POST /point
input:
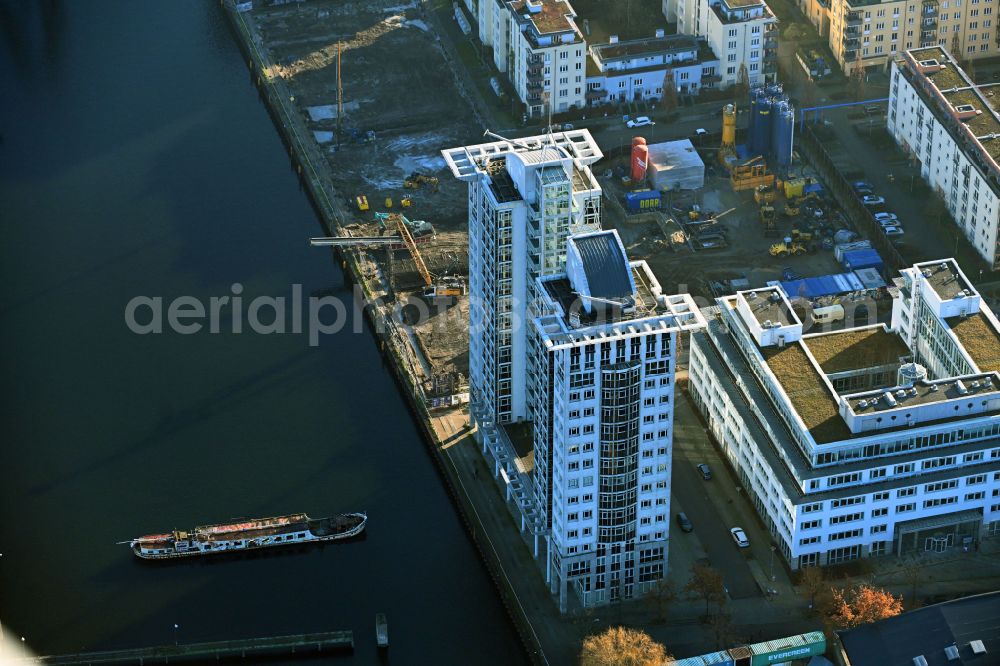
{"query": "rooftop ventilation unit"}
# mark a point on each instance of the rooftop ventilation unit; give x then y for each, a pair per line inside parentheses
(862, 404)
(901, 393)
(977, 647)
(966, 111)
(960, 387)
(926, 272)
(951, 652)
(943, 266)
(974, 385)
(934, 388)
(919, 660)
(774, 297)
(889, 399)
(913, 393)
(767, 323)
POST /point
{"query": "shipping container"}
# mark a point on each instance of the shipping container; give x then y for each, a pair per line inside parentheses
(713, 659)
(783, 650)
(841, 248)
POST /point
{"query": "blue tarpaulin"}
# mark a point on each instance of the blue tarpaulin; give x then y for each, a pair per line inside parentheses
(855, 260)
(824, 285)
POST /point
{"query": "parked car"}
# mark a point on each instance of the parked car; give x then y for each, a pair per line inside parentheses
(640, 121)
(700, 132)
(871, 109)
(706, 471)
(880, 217)
(684, 523)
(892, 231)
(861, 185)
(740, 537)
(884, 224)
(787, 274)
(872, 200)
(567, 127)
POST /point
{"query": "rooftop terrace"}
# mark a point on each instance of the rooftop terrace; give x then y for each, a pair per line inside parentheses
(946, 279)
(644, 47)
(855, 349)
(957, 89)
(814, 401)
(552, 16)
(769, 306)
(980, 338)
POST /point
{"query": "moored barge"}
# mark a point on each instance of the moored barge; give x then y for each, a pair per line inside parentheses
(246, 535)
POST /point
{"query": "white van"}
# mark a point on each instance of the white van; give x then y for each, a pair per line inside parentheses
(828, 313)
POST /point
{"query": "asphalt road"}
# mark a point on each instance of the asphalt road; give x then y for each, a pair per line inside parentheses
(709, 526)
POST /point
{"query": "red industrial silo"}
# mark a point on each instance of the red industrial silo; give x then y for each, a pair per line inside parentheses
(640, 153)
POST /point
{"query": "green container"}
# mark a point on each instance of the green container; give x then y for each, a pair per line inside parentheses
(782, 650)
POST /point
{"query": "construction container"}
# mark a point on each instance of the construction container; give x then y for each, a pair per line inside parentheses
(675, 165)
(870, 277)
(793, 188)
(784, 650)
(713, 659)
(823, 285)
(640, 158)
(842, 248)
(855, 260)
(640, 200)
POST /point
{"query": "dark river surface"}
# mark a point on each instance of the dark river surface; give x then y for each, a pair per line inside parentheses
(137, 160)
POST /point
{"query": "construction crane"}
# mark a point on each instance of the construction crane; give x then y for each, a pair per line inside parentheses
(444, 287)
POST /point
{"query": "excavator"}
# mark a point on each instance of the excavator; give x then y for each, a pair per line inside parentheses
(444, 287)
(416, 179)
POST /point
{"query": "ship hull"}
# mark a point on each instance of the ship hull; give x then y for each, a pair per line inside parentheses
(339, 528)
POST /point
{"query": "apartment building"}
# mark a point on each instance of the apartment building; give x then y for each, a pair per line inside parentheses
(538, 45)
(637, 69)
(951, 127)
(605, 345)
(866, 441)
(739, 32)
(525, 197)
(874, 33)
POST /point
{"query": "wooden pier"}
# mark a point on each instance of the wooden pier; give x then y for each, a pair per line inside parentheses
(300, 645)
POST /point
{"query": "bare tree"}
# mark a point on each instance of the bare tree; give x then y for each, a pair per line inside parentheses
(742, 88)
(913, 573)
(619, 646)
(813, 582)
(858, 77)
(706, 583)
(661, 597)
(668, 100)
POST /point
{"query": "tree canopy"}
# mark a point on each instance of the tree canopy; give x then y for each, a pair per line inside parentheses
(621, 646)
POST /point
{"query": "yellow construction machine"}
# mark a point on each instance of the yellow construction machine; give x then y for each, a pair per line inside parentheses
(765, 194)
(416, 179)
(786, 248)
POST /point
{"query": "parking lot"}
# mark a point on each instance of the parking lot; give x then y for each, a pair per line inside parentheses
(861, 144)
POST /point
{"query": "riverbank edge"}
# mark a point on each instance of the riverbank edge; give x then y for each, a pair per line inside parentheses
(303, 155)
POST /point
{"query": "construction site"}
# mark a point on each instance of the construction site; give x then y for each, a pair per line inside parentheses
(730, 208)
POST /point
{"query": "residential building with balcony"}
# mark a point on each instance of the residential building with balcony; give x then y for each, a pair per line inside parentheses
(605, 348)
(861, 442)
(739, 32)
(873, 33)
(637, 69)
(951, 127)
(539, 46)
(525, 197)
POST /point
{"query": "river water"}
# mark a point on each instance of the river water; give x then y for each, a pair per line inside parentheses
(137, 160)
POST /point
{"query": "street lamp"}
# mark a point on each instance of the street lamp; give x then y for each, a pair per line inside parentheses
(176, 627)
(772, 562)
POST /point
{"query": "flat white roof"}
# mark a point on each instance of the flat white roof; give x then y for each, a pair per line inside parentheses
(467, 161)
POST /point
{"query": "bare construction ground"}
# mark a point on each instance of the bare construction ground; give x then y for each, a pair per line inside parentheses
(398, 83)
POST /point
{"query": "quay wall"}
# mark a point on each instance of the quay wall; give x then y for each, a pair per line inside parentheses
(309, 164)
